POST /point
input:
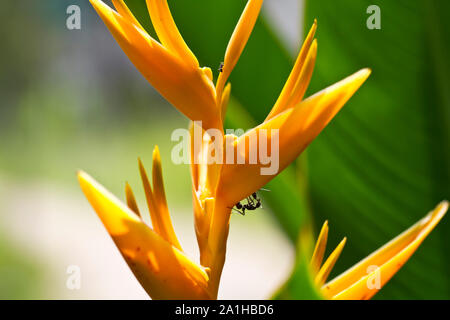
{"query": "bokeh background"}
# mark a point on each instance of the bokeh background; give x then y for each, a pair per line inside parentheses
(70, 99)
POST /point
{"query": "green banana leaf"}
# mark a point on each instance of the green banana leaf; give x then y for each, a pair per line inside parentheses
(384, 161)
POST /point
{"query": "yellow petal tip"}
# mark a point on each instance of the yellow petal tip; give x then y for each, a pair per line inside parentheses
(366, 72)
(156, 154)
(83, 177)
(141, 165)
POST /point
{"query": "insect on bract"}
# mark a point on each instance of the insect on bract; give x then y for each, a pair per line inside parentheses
(253, 203)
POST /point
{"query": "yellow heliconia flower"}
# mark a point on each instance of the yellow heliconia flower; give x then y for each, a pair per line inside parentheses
(171, 67)
(367, 277)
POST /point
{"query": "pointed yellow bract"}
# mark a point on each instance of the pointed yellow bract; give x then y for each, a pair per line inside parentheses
(366, 278)
(319, 250)
(295, 75)
(225, 100)
(168, 33)
(237, 42)
(125, 12)
(156, 201)
(298, 126)
(163, 271)
(305, 77)
(187, 87)
(325, 270)
(131, 200)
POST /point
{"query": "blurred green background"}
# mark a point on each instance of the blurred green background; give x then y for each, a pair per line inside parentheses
(70, 99)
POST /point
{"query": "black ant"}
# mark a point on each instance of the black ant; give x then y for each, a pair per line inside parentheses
(253, 203)
(221, 67)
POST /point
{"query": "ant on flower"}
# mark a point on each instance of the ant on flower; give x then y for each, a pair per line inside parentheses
(253, 203)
